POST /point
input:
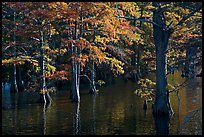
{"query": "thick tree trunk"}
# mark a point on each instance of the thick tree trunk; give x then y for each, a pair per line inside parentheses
(161, 37)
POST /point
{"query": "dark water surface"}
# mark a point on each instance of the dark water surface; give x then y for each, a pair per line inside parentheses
(114, 110)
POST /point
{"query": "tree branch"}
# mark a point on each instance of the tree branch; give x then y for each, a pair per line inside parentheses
(35, 38)
(134, 18)
(188, 16)
(86, 77)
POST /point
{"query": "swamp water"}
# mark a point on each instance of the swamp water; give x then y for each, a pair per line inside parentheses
(114, 110)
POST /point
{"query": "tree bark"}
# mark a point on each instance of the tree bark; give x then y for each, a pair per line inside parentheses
(76, 70)
(189, 68)
(138, 62)
(19, 78)
(45, 96)
(161, 37)
(134, 76)
(92, 84)
(14, 65)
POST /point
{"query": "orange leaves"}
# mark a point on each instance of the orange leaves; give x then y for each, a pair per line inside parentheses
(62, 73)
(83, 59)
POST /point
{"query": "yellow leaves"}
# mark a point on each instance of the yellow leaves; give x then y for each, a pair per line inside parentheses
(146, 90)
(116, 65)
(83, 59)
(46, 47)
(62, 51)
(20, 61)
(59, 5)
(98, 39)
(129, 7)
(6, 61)
(147, 83)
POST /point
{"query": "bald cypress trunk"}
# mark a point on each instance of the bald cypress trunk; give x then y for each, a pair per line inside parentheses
(45, 96)
(92, 84)
(161, 37)
(14, 86)
(75, 97)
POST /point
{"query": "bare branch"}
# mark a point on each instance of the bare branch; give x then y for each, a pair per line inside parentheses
(134, 18)
(86, 77)
(35, 38)
(189, 15)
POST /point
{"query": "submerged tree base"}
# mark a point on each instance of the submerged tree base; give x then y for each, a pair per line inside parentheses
(162, 124)
(45, 98)
(160, 107)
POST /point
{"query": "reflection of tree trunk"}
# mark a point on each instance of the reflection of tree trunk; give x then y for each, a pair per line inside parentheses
(76, 119)
(14, 100)
(94, 114)
(15, 80)
(6, 97)
(45, 107)
(162, 124)
(178, 97)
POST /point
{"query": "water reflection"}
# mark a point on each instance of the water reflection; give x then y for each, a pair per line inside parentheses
(94, 114)
(114, 110)
(46, 106)
(76, 119)
(162, 124)
(6, 96)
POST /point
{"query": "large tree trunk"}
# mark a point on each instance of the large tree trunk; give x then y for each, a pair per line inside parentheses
(161, 37)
